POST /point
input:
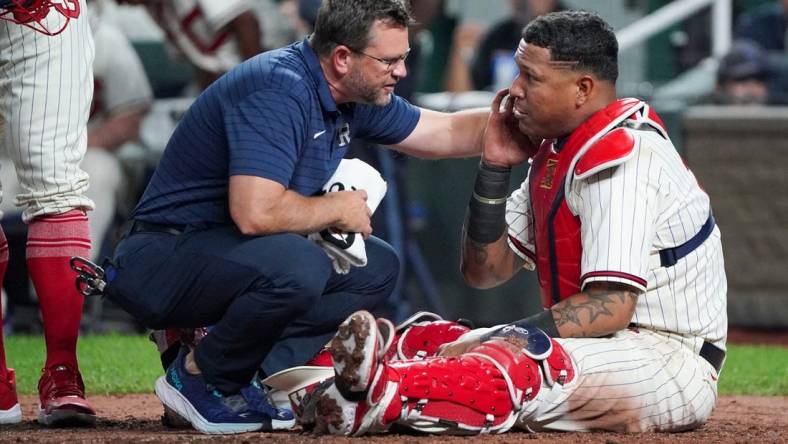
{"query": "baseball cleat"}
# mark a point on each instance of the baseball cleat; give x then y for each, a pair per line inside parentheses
(62, 395)
(10, 412)
(354, 350)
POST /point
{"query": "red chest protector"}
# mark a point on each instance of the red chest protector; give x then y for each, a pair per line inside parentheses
(598, 143)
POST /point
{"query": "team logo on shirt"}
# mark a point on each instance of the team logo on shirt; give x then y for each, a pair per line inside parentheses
(334, 236)
(344, 134)
(549, 174)
(69, 8)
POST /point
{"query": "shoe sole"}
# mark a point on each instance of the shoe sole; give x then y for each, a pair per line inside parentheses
(11, 416)
(65, 418)
(354, 351)
(173, 420)
(173, 399)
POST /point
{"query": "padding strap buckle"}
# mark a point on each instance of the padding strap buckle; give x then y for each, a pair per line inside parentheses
(90, 277)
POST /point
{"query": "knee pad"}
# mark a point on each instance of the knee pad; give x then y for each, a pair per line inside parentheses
(421, 335)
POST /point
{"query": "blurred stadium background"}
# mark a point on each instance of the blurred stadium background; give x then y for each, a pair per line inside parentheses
(673, 54)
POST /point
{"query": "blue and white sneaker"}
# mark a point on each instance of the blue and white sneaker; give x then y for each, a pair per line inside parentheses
(257, 396)
(208, 410)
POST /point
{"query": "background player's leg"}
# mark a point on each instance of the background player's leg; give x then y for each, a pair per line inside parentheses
(3, 268)
(51, 242)
(10, 412)
(50, 89)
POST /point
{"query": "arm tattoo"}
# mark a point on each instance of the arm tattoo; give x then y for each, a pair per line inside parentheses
(479, 251)
(479, 254)
(517, 262)
(599, 302)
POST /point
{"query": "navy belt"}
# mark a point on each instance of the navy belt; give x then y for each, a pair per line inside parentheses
(713, 355)
(669, 256)
(140, 226)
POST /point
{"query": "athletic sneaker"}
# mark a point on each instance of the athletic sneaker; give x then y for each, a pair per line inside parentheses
(207, 409)
(10, 413)
(62, 395)
(257, 397)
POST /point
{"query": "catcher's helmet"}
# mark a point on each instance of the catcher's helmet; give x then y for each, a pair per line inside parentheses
(31, 13)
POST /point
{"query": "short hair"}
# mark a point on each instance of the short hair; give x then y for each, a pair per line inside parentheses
(577, 36)
(348, 22)
(745, 61)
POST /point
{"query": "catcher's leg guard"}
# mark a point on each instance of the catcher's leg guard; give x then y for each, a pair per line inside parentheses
(484, 391)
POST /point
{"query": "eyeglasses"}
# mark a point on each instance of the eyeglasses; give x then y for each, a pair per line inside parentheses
(390, 63)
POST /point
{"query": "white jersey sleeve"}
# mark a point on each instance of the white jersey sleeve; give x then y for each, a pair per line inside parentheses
(617, 208)
(519, 221)
(219, 14)
(196, 29)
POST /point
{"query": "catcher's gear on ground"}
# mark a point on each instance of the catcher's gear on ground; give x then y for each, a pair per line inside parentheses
(484, 391)
(417, 337)
(31, 13)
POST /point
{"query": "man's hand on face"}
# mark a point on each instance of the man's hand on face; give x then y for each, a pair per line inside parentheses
(504, 144)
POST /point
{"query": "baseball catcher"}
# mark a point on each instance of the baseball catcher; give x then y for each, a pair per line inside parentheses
(628, 255)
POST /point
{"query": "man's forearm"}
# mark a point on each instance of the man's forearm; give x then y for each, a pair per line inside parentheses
(487, 260)
(445, 135)
(468, 130)
(292, 213)
(602, 309)
(300, 214)
(117, 130)
(488, 265)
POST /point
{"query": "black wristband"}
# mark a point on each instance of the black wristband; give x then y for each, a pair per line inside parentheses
(492, 182)
(543, 320)
(486, 219)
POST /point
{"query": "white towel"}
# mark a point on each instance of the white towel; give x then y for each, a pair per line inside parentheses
(346, 249)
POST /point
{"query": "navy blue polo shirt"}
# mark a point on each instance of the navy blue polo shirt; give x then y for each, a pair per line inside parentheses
(273, 117)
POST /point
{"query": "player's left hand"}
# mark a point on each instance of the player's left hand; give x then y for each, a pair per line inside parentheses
(465, 343)
(504, 144)
(457, 348)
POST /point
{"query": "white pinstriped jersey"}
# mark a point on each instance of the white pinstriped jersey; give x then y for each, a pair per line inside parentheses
(651, 378)
(195, 28)
(46, 85)
(628, 213)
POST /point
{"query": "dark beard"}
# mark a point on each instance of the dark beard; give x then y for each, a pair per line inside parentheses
(367, 93)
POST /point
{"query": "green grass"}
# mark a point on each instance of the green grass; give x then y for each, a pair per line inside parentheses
(109, 364)
(755, 370)
(130, 364)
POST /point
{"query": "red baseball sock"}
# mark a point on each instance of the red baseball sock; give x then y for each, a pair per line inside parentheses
(3, 267)
(51, 242)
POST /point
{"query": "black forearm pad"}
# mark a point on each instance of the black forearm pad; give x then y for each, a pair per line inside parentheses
(543, 320)
(492, 182)
(487, 208)
(486, 223)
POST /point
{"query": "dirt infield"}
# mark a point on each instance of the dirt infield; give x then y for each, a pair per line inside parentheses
(135, 418)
